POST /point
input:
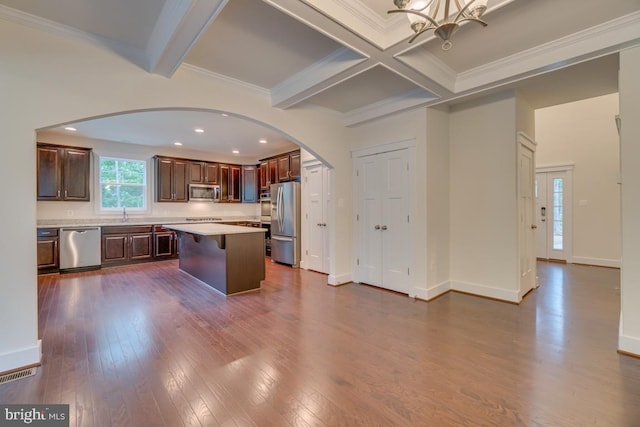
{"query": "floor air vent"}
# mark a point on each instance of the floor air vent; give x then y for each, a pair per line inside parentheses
(17, 375)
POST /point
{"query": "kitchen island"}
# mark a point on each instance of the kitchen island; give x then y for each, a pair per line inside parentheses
(229, 258)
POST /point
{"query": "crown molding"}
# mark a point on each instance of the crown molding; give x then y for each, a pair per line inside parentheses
(222, 78)
(396, 104)
(136, 55)
(316, 77)
(603, 39)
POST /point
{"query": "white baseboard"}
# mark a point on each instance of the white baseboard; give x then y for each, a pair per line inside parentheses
(614, 263)
(629, 344)
(339, 279)
(433, 292)
(20, 358)
(486, 291)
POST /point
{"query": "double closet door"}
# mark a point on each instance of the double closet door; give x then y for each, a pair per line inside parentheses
(382, 218)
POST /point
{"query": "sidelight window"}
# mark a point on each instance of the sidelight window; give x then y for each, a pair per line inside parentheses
(558, 214)
(123, 184)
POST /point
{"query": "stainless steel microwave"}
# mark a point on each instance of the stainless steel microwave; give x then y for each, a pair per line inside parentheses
(204, 193)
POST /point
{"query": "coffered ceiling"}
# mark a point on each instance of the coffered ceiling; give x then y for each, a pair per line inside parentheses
(351, 56)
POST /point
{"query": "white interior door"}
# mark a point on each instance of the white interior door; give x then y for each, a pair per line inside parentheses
(394, 227)
(317, 254)
(553, 215)
(370, 219)
(383, 218)
(527, 226)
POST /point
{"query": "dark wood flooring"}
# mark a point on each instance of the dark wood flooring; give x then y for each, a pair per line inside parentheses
(146, 345)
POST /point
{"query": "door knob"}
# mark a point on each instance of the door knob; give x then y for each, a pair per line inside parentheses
(384, 227)
(533, 226)
(377, 227)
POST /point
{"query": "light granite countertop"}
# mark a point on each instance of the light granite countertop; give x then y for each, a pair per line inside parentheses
(212, 229)
(99, 222)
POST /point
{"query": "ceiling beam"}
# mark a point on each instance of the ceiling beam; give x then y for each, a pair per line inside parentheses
(180, 24)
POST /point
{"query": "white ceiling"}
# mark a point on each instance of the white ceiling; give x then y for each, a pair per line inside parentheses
(349, 56)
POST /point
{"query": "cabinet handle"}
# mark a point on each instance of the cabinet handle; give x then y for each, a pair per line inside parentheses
(65, 194)
(58, 194)
(384, 227)
(377, 227)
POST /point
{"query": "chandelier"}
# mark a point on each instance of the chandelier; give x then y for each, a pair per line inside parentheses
(425, 15)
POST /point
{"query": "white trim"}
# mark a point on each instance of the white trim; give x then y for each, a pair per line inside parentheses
(391, 105)
(339, 279)
(137, 55)
(486, 291)
(563, 167)
(601, 262)
(20, 358)
(527, 141)
(222, 78)
(629, 344)
(600, 40)
(383, 148)
(433, 292)
(317, 77)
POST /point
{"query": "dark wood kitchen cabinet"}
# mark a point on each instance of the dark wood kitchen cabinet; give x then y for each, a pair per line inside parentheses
(203, 173)
(165, 243)
(235, 183)
(284, 168)
(268, 173)
(249, 184)
(171, 180)
(127, 244)
(294, 166)
(63, 173)
(48, 251)
(230, 183)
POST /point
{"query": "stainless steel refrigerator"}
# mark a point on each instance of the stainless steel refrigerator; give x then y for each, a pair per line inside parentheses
(285, 223)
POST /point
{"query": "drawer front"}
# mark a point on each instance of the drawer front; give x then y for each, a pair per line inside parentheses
(47, 232)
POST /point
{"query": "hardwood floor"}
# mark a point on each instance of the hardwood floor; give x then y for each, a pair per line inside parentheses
(146, 345)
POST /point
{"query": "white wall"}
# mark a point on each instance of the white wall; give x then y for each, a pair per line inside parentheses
(437, 204)
(51, 211)
(483, 207)
(629, 85)
(48, 79)
(584, 133)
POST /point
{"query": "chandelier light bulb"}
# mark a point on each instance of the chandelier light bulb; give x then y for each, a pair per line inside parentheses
(444, 17)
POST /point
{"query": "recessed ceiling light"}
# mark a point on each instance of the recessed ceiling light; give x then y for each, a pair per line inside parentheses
(177, 143)
(263, 141)
(235, 152)
(71, 129)
(198, 130)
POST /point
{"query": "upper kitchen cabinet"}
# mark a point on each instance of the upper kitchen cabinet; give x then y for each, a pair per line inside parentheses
(294, 166)
(63, 173)
(281, 168)
(204, 173)
(171, 180)
(249, 184)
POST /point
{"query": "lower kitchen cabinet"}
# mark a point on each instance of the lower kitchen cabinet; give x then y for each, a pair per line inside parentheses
(165, 243)
(48, 251)
(126, 244)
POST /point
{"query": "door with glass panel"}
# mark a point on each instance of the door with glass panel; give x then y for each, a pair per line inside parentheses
(553, 238)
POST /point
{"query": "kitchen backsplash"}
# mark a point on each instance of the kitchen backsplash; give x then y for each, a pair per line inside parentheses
(81, 210)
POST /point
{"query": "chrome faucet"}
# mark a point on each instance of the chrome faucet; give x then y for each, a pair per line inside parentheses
(125, 216)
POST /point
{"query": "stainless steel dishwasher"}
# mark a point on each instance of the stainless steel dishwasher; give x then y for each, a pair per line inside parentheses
(79, 248)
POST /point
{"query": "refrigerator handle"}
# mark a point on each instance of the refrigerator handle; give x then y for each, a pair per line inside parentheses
(280, 208)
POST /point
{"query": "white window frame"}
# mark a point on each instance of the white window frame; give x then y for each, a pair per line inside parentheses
(99, 210)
